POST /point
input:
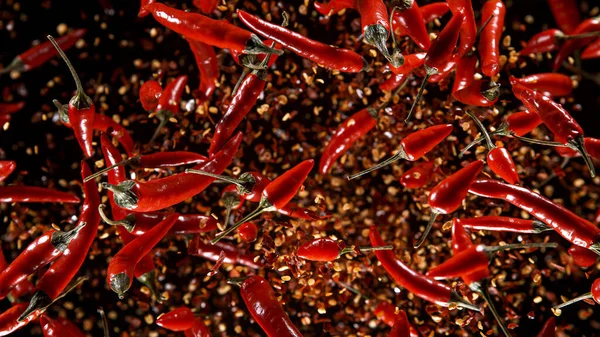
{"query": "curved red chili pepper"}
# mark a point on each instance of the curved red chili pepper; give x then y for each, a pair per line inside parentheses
(249, 185)
(376, 27)
(233, 255)
(248, 232)
(150, 93)
(6, 168)
(38, 254)
(22, 288)
(504, 224)
(411, 62)
(8, 319)
(264, 307)
(11, 108)
(465, 72)
(468, 28)
(489, 42)
(582, 257)
(587, 26)
(549, 328)
(409, 18)
(443, 73)
(401, 326)
(592, 51)
(206, 61)
(571, 227)
(218, 33)
(429, 12)
(566, 14)
(206, 6)
(334, 6)
(321, 53)
(43, 52)
(164, 192)
(555, 84)
(543, 42)
(105, 124)
(121, 267)
(461, 241)
(480, 92)
(418, 176)
(520, 123)
(418, 284)
(199, 329)
(171, 95)
(178, 319)
(64, 268)
(500, 162)
(35, 194)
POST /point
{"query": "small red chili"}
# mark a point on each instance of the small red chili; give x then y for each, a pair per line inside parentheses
(168, 103)
(552, 83)
(418, 176)
(150, 93)
(504, 224)
(544, 42)
(53, 328)
(233, 255)
(393, 82)
(566, 14)
(334, 6)
(248, 232)
(328, 250)
(179, 319)
(582, 257)
(489, 41)
(250, 185)
(206, 61)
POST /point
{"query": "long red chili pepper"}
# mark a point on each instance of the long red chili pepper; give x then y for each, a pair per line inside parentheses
(592, 146)
(326, 55)
(504, 224)
(334, 6)
(35, 194)
(250, 185)
(543, 42)
(81, 109)
(160, 193)
(276, 195)
(206, 61)
(218, 33)
(482, 92)
(489, 42)
(429, 12)
(64, 268)
(418, 284)
(591, 25)
(414, 146)
(22, 288)
(446, 70)
(6, 168)
(592, 51)
(411, 62)
(150, 93)
(582, 257)
(571, 227)
(552, 83)
(418, 176)
(465, 72)
(121, 268)
(468, 28)
(566, 14)
(327, 250)
(42, 53)
(199, 329)
(409, 18)
(179, 319)
(447, 196)
(232, 254)
(38, 254)
(264, 307)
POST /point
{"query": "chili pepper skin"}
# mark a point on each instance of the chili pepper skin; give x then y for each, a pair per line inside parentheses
(8, 319)
(206, 61)
(39, 253)
(52, 328)
(543, 42)
(393, 82)
(465, 262)
(386, 312)
(465, 72)
(120, 272)
(582, 257)
(140, 223)
(587, 26)
(248, 232)
(265, 308)
(108, 125)
(322, 250)
(418, 176)
(411, 62)
(206, 6)
(489, 42)
(500, 162)
(171, 95)
(218, 33)
(35, 194)
(549, 328)
(199, 329)
(179, 319)
(334, 6)
(22, 288)
(520, 123)
(401, 326)
(571, 227)
(150, 93)
(164, 192)
(233, 255)
(461, 241)
(331, 57)
(504, 224)
(429, 12)
(444, 72)
(566, 14)
(6, 168)
(43, 52)
(592, 146)
(592, 51)
(409, 17)
(64, 268)
(553, 83)
(11, 108)
(480, 92)
(468, 28)
(376, 28)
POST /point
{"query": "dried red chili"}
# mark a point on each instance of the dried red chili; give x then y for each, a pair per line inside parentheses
(468, 28)
(407, 16)
(582, 257)
(6, 168)
(248, 232)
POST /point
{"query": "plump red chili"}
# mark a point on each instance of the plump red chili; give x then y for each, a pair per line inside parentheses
(233, 255)
(566, 14)
(179, 319)
(465, 72)
(150, 93)
(543, 42)
(199, 329)
(248, 232)
(489, 41)
(53, 328)
(582, 257)
(429, 12)
(504, 224)
(418, 176)
(552, 83)
(570, 46)
(206, 61)
(323, 249)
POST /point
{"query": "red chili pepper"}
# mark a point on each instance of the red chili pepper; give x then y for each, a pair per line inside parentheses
(411, 62)
(592, 146)
(34, 194)
(439, 53)
(482, 92)
(429, 12)
(250, 185)
(22, 288)
(11, 108)
(218, 33)
(489, 42)
(233, 255)
(376, 27)
(6, 168)
(447, 196)
(64, 268)
(334, 6)
(468, 28)
(276, 195)
(401, 326)
(8, 319)
(168, 103)
(386, 312)
(418, 176)
(414, 146)
(206, 61)
(571, 227)
(81, 109)
(179, 319)
(504, 224)
(53, 328)
(566, 14)
(582, 257)
(121, 268)
(265, 308)
(591, 25)
(42, 53)
(206, 6)
(248, 232)
(443, 73)
(321, 53)
(549, 328)
(418, 284)
(150, 93)
(328, 250)
(199, 329)
(592, 51)
(544, 42)
(552, 83)
(465, 72)
(38, 254)
(164, 192)
(409, 17)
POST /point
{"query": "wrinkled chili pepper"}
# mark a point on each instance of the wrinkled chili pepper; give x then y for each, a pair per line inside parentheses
(582, 257)
(42, 53)
(179, 319)
(414, 146)
(327, 250)
(504, 224)
(150, 93)
(447, 196)
(35, 194)
(552, 83)
(206, 61)
(6, 168)
(468, 27)
(482, 92)
(248, 232)
(591, 25)
(233, 255)
(418, 176)
(566, 14)
(409, 17)
(491, 34)
(164, 192)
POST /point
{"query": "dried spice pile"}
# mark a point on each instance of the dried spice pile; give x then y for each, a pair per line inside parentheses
(330, 250)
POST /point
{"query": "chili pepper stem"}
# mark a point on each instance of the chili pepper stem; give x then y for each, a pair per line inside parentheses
(595, 248)
(399, 155)
(43, 308)
(578, 145)
(495, 249)
(376, 35)
(429, 71)
(227, 214)
(537, 141)
(573, 300)
(482, 129)
(164, 117)
(482, 292)
(578, 36)
(37, 301)
(263, 206)
(63, 113)
(61, 240)
(236, 281)
(432, 218)
(104, 322)
(539, 227)
(122, 194)
(125, 222)
(354, 290)
(128, 161)
(16, 64)
(245, 73)
(460, 302)
(149, 280)
(366, 249)
(229, 180)
(501, 131)
(255, 46)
